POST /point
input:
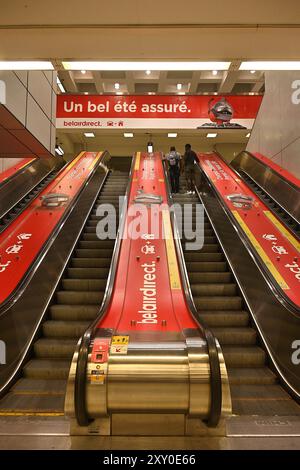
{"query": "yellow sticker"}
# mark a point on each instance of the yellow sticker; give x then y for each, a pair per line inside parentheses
(137, 161)
(277, 276)
(120, 340)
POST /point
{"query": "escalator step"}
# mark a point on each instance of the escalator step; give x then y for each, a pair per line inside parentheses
(241, 356)
(207, 248)
(49, 387)
(206, 267)
(199, 256)
(222, 318)
(74, 312)
(210, 277)
(84, 284)
(47, 369)
(232, 336)
(91, 273)
(64, 329)
(55, 348)
(32, 403)
(214, 289)
(263, 400)
(218, 303)
(92, 245)
(78, 298)
(90, 263)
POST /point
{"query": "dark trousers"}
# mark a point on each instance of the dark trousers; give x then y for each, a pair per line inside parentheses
(174, 177)
(190, 177)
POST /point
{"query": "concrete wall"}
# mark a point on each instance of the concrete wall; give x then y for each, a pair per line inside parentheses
(276, 132)
(31, 98)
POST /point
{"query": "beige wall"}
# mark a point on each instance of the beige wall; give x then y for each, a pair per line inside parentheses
(31, 98)
(276, 133)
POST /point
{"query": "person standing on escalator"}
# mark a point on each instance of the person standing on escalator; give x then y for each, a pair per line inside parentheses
(189, 160)
(174, 164)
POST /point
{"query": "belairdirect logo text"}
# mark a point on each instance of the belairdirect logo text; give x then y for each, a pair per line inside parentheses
(2, 92)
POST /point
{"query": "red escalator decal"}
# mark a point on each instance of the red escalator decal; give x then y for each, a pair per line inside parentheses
(21, 242)
(276, 245)
(147, 294)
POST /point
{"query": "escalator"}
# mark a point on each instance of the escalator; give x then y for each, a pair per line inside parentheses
(15, 210)
(255, 388)
(40, 389)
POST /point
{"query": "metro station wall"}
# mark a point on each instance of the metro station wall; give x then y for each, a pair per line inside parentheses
(276, 132)
(31, 98)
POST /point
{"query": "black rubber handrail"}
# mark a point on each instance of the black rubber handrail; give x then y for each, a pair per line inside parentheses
(276, 289)
(17, 292)
(18, 172)
(215, 370)
(83, 350)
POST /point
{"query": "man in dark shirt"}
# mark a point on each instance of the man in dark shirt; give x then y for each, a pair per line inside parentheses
(190, 159)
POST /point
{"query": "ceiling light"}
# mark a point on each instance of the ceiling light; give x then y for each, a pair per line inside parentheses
(26, 65)
(89, 134)
(151, 92)
(179, 86)
(117, 86)
(128, 134)
(109, 65)
(271, 65)
(86, 93)
(119, 93)
(252, 71)
(150, 147)
(215, 72)
(181, 93)
(59, 150)
(148, 72)
(172, 134)
(211, 135)
(248, 135)
(83, 72)
(60, 85)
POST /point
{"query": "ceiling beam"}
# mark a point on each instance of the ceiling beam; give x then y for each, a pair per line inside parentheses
(230, 77)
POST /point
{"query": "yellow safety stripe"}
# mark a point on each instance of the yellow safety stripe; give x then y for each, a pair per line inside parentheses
(277, 276)
(99, 154)
(29, 413)
(137, 161)
(171, 254)
(283, 230)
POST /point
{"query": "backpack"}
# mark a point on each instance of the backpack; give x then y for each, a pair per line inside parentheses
(173, 160)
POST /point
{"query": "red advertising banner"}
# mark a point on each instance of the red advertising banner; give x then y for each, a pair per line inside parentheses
(156, 112)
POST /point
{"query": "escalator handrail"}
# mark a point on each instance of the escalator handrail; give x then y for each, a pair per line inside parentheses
(9, 382)
(291, 183)
(276, 289)
(215, 370)
(241, 172)
(18, 172)
(18, 291)
(84, 342)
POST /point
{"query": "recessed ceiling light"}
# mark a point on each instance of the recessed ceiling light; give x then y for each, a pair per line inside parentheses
(83, 72)
(211, 135)
(117, 86)
(215, 72)
(271, 65)
(179, 86)
(119, 93)
(248, 135)
(86, 93)
(151, 92)
(128, 134)
(172, 134)
(59, 150)
(148, 72)
(109, 65)
(89, 134)
(25, 65)
(252, 71)
(215, 92)
(181, 93)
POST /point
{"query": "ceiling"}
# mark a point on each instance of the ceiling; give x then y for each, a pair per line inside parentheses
(163, 82)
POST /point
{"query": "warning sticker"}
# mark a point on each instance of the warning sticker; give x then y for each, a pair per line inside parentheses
(97, 376)
(119, 340)
(119, 349)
